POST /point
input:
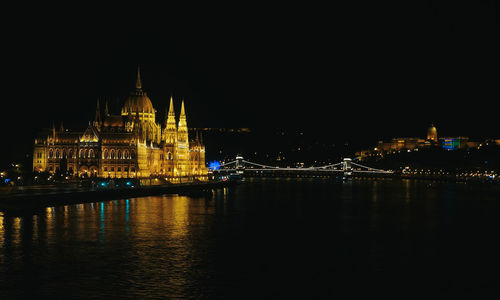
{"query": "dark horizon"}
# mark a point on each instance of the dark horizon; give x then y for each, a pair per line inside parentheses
(354, 74)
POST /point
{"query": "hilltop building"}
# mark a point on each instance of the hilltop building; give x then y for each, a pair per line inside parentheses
(415, 144)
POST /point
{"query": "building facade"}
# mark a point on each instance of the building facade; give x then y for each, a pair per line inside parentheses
(129, 145)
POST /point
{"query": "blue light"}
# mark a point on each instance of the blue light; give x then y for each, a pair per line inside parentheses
(7, 180)
(451, 144)
(128, 183)
(103, 183)
(214, 165)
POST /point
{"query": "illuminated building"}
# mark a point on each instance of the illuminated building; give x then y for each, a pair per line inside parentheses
(455, 143)
(129, 145)
(412, 143)
(432, 134)
(401, 144)
(398, 144)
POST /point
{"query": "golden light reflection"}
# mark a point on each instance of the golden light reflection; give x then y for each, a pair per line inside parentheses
(407, 191)
(16, 231)
(35, 228)
(50, 219)
(179, 215)
(2, 229)
(133, 221)
(170, 215)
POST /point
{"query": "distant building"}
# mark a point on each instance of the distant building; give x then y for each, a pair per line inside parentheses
(415, 143)
(455, 143)
(398, 144)
(129, 145)
(432, 133)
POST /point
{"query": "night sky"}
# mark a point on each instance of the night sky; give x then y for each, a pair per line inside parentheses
(352, 72)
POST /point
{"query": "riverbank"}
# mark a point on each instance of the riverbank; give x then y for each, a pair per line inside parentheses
(61, 196)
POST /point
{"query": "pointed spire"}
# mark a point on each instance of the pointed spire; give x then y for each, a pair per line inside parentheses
(106, 109)
(138, 84)
(171, 108)
(53, 129)
(183, 113)
(97, 118)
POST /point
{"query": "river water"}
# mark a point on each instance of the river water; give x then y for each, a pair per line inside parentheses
(266, 238)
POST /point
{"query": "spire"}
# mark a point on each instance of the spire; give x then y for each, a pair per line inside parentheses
(183, 113)
(97, 119)
(170, 113)
(138, 84)
(53, 129)
(182, 117)
(106, 110)
(183, 124)
(171, 108)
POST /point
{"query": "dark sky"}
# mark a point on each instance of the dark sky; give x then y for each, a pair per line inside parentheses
(357, 71)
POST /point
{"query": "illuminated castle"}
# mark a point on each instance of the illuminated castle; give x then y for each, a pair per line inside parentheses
(130, 145)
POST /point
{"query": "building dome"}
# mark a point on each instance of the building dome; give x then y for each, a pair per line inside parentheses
(432, 133)
(138, 101)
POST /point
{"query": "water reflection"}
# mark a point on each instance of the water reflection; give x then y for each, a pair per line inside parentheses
(151, 233)
(236, 241)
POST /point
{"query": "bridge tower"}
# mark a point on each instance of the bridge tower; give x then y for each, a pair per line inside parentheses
(347, 167)
(239, 162)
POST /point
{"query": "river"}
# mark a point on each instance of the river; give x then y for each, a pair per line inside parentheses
(265, 238)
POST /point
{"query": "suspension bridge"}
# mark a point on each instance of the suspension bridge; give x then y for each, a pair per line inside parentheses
(346, 167)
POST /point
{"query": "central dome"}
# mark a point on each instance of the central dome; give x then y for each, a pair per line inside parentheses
(138, 101)
(432, 133)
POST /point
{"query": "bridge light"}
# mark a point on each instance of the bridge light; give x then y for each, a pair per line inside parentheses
(214, 165)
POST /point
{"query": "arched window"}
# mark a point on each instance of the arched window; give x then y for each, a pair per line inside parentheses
(86, 153)
(112, 154)
(119, 154)
(105, 155)
(64, 153)
(58, 155)
(81, 153)
(132, 153)
(51, 153)
(91, 153)
(126, 154)
(70, 155)
(169, 156)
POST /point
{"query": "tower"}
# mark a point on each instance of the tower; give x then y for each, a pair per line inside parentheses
(183, 164)
(170, 126)
(170, 141)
